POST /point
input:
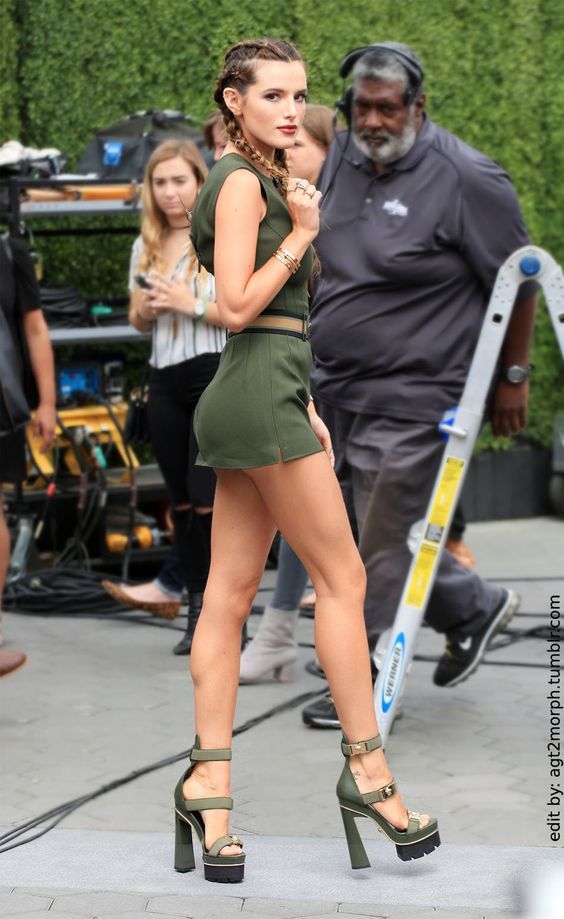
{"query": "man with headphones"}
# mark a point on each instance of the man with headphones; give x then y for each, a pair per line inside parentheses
(414, 228)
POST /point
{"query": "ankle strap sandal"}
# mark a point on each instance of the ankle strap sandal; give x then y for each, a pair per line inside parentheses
(224, 869)
(362, 746)
(198, 755)
(413, 842)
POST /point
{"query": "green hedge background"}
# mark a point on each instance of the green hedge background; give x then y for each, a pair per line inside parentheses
(70, 67)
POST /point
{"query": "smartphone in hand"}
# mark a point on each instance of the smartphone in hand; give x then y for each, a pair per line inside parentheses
(143, 281)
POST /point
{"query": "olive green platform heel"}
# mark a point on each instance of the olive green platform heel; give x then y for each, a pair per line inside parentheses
(224, 869)
(413, 842)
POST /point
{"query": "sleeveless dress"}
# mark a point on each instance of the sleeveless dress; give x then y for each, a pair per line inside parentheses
(254, 412)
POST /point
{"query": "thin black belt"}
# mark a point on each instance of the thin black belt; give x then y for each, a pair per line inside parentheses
(277, 325)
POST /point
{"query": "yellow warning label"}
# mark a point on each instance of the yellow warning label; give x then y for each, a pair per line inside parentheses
(422, 574)
(446, 492)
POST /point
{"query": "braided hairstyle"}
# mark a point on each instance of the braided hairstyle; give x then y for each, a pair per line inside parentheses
(239, 73)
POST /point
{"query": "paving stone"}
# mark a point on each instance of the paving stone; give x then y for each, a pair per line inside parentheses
(48, 891)
(420, 912)
(349, 915)
(292, 909)
(195, 907)
(143, 915)
(99, 903)
(34, 915)
(372, 915)
(23, 903)
(364, 909)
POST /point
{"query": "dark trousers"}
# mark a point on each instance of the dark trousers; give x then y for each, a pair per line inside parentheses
(173, 396)
(387, 469)
(170, 574)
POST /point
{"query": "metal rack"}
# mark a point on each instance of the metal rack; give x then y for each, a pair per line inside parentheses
(149, 479)
(20, 208)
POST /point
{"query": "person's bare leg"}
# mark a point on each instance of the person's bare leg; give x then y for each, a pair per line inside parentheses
(305, 501)
(242, 533)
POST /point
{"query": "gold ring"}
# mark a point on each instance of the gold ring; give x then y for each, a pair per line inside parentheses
(301, 184)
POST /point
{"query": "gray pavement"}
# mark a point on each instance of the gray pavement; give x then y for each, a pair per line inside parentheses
(100, 699)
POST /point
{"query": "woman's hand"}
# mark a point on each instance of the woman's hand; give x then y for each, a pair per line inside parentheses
(303, 200)
(143, 308)
(321, 431)
(174, 295)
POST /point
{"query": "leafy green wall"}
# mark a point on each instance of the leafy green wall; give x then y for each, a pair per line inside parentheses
(9, 94)
(493, 77)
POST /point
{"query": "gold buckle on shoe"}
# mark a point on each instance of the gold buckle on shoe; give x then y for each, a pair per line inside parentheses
(360, 747)
(354, 749)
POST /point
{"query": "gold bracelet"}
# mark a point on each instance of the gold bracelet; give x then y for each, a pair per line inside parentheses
(287, 264)
(287, 259)
(289, 255)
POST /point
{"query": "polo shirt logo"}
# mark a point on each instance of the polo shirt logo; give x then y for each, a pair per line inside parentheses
(396, 208)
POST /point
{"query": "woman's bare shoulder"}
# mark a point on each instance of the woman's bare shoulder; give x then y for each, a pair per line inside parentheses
(241, 190)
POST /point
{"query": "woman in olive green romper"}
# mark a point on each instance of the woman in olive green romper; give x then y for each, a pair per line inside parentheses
(255, 411)
(253, 229)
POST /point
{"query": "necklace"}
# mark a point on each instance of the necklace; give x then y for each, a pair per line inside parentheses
(185, 227)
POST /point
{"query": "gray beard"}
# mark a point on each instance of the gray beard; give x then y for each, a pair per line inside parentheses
(390, 147)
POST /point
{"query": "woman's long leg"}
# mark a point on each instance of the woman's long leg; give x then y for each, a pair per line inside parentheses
(304, 499)
(242, 533)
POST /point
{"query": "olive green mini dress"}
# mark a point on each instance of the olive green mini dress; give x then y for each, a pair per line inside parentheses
(254, 412)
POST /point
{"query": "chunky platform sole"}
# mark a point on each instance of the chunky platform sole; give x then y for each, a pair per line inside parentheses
(357, 852)
(222, 869)
(419, 849)
(224, 874)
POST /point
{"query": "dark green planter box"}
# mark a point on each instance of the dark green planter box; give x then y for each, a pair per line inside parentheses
(506, 484)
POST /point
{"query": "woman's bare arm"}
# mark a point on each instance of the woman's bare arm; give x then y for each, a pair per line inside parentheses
(242, 293)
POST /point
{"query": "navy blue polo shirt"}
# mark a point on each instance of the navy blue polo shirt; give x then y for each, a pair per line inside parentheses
(408, 261)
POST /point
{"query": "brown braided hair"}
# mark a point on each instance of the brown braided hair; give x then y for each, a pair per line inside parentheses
(239, 73)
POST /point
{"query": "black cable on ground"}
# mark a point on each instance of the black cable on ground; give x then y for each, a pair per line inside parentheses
(61, 591)
(57, 814)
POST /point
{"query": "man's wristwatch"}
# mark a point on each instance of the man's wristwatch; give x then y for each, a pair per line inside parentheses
(516, 373)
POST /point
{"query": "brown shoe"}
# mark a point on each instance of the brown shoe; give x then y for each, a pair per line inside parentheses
(10, 661)
(167, 609)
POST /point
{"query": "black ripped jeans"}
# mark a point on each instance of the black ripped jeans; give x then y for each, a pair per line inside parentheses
(173, 395)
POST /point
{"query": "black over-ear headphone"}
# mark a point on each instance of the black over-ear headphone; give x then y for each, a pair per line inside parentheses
(408, 61)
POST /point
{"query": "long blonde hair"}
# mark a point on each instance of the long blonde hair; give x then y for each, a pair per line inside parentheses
(154, 222)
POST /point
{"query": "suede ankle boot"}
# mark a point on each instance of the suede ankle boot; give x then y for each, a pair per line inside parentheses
(274, 647)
